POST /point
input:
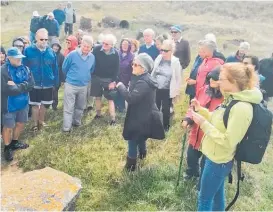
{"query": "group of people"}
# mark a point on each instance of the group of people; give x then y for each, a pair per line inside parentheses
(143, 81)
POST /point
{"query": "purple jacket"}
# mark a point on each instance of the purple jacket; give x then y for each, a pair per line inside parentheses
(125, 67)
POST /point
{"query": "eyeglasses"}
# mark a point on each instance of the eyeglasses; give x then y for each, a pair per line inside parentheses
(19, 46)
(135, 65)
(174, 32)
(106, 44)
(246, 63)
(43, 39)
(164, 50)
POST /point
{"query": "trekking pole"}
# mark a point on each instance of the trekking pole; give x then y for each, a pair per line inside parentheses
(184, 138)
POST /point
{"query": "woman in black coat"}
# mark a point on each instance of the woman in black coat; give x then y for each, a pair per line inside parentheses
(143, 119)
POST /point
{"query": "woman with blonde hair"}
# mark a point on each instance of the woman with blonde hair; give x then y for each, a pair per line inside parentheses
(237, 82)
(134, 46)
(167, 73)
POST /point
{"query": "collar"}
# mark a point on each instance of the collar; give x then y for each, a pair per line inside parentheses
(148, 46)
(81, 54)
(112, 51)
(179, 40)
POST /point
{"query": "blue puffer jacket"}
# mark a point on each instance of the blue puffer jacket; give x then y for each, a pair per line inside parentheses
(18, 75)
(43, 66)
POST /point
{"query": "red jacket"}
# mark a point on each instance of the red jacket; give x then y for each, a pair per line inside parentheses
(74, 44)
(196, 134)
(207, 66)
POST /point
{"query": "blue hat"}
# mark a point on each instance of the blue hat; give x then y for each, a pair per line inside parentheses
(176, 28)
(14, 52)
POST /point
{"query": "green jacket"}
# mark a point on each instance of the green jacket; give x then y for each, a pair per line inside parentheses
(219, 144)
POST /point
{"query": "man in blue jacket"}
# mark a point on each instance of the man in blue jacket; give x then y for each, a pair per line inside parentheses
(59, 14)
(16, 82)
(52, 26)
(42, 62)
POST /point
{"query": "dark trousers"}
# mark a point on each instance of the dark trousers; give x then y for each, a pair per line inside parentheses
(55, 98)
(163, 103)
(193, 156)
(68, 29)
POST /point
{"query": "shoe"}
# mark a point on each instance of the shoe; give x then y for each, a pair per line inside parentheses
(142, 155)
(35, 129)
(130, 164)
(18, 145)
(42, 125)
(66, 131)
(113, 123)
(98, 117)
(187, 177)
(76, 125)
(8, 153)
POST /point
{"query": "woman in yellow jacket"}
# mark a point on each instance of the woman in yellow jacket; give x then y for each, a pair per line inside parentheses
(237, 82)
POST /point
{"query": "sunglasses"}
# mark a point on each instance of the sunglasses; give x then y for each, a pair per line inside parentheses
(18, 46)
(135, 65)
(246, 63)
(43, 39)
(164, 50)
(174, 32)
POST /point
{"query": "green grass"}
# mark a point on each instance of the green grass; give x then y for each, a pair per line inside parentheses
(96, 152)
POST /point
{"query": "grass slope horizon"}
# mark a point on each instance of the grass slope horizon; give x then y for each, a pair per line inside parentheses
(96, 152)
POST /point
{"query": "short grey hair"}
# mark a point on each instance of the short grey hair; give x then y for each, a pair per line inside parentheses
(170, 44)
(42, 30)
(149, 31)
(88, 39)
(209, 44)
(110, 37)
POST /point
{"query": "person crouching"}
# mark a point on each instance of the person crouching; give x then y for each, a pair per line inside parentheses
(143, 119)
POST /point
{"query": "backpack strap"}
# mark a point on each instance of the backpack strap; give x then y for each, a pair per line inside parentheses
(227, 110)
(240, 177)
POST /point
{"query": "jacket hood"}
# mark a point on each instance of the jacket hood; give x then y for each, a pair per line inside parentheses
(254, 96)
(152, 82)
(74, 42)
(56, 41)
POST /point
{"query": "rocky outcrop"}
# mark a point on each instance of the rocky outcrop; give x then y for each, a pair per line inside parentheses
(40, 190)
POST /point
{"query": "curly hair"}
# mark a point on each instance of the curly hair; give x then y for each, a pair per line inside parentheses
(243, 75)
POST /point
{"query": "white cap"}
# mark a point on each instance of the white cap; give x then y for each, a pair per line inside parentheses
(35, 14)
(50, 14)
(211, 37)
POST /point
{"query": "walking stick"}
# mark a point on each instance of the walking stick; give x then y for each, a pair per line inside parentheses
(184, 138)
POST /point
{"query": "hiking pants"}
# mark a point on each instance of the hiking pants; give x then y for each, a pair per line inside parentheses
(193, 156)
(134, 145)
(68, 29)
(212, 186)
(74, 104)
(163, 99)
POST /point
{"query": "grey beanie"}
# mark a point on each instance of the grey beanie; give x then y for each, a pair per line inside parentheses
(145, 61)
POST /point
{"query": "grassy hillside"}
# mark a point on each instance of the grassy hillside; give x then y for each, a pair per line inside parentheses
(96, 152)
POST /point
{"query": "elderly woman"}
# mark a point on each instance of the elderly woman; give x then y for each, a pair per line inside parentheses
(237, 82)
(149, 46)
(167, 73)
(135, 46)
(143, 120)
(125, 70)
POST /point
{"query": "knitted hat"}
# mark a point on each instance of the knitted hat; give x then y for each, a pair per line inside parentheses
(145, 61)
(176, 28)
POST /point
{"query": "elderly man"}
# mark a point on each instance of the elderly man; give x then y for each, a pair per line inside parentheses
(239, 55)
(69, 19)
(149, 47)
(105, 75)
(78, 67)
(42, 62)
(52, 26)
(59, 14)
(16, 81)
(182, 48)
(35, 24)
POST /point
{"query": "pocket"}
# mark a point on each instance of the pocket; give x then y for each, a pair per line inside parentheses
(220, 170)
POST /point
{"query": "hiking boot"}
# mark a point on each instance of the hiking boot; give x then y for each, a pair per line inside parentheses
(97, 117)
(113, 123)
(130, 164)
(18, 145)
(142, 155)
(8, 153)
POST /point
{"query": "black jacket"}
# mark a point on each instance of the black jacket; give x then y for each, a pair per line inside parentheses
(60, 59)
(12, 90)
(143, 119)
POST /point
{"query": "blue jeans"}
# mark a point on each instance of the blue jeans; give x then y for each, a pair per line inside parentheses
(134, 145)
(212, 189)
(120, 102)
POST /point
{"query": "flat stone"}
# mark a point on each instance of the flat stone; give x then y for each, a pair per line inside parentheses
(40, 190)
